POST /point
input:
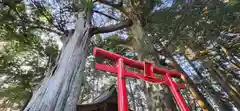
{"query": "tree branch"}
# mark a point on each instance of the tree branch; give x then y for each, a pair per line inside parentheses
(47, 29)
(109, 16)
(39, 8)
(118, 6)
(111, 28)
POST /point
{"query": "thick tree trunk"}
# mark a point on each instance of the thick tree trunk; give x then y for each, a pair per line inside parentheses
(60, 91)
(138, 44)
(138, 33)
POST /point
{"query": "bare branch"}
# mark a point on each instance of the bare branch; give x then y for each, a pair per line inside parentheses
(111, 28)
(109, 16)
(47, 29)
(118, 6)
(50, 20)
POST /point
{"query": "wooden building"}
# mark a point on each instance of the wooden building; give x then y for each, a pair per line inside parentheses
(105, 102)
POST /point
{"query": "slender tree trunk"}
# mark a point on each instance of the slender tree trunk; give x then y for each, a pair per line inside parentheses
(235, 75)
(193, 88)
(60, 91)
(235, 88)
(216, 99)
(216, 75)
(222, 106)
(227, 79)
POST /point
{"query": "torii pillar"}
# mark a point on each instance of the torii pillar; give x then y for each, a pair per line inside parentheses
(148, 75)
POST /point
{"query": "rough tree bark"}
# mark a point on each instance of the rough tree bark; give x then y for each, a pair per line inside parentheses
(135, 13)
(139, 34)
(59, 91)
(136, 10)
(132, 95)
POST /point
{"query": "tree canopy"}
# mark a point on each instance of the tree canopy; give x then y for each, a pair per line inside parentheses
(199, 38)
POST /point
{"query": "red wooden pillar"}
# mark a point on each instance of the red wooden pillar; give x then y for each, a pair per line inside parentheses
(177, 95)
(148, 75)
(122, 90)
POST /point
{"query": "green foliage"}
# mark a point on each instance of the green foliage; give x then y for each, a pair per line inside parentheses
(24, 55)
(89, 5)
(201, 26)
(20, 7)
(203, 20)
(111, 42)
(22, 69)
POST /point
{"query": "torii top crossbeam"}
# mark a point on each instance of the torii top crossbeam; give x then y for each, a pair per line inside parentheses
(148, 75)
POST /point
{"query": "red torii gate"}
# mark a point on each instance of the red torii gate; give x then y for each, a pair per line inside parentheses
(148, 75)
